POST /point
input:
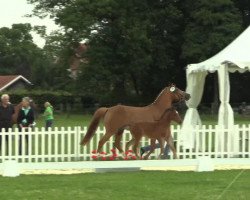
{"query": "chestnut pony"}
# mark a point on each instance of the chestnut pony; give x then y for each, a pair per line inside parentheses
(158, 130)
(117, 117)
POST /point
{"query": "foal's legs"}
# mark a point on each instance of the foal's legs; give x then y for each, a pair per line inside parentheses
(152, 148)
(170, 142)
(161, 141)
(136, 144)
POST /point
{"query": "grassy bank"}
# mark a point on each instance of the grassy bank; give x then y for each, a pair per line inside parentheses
(129, 186)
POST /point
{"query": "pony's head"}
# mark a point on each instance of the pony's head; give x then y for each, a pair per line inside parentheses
(171, 94)
(177, 94)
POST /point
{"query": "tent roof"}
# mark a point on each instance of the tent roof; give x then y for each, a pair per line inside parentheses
(236, 55)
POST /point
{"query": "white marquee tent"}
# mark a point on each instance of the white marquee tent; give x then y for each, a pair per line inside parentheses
(234, 57)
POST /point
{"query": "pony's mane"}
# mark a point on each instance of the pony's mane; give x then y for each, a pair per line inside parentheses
(159, 95)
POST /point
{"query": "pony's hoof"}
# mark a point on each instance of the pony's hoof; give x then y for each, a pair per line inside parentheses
(175, 157)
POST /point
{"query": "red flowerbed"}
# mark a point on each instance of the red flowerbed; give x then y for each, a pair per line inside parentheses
(103, 156)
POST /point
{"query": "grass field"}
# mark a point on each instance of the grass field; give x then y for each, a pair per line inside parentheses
(65, 120)
(83, 120)
(145, 185)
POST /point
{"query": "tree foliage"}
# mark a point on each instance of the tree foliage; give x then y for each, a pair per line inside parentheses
(19, 54)
(211, 25)
(134, 47)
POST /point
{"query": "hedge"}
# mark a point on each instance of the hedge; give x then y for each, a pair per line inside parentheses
(41, 96)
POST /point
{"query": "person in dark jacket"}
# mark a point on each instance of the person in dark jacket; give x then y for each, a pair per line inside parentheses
(6, 112)
(25, 120)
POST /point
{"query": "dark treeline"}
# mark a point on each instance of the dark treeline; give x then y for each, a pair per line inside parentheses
(135, 48)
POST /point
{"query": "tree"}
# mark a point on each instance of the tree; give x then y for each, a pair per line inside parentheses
(12, 42)
(244, 8)
(19, 55)
(134, 45)
(137, 47)
(210, 26)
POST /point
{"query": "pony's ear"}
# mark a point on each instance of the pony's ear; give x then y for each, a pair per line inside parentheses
(170, 84)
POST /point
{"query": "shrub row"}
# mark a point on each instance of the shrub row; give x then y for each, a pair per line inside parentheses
(41, 96)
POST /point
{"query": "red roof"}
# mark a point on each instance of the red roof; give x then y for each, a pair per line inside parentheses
(6, 81)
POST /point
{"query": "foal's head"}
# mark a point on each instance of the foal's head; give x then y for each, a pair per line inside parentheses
(174, 116)
(169, 115)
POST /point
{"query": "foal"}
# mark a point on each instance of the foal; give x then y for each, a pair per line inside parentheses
(158, 130)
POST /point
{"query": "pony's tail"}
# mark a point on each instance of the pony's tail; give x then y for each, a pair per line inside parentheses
(99, 114)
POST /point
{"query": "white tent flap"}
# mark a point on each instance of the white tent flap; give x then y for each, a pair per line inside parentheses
(195, 86)
(226, 117)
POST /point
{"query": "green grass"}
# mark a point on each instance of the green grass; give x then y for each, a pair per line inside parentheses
(212, 119)
(128, 186)
(64, 120)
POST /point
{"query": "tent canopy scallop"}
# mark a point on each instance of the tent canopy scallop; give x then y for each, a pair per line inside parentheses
(236, 55)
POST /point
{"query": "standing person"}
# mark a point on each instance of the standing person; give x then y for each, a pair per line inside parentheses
(48, 114)
(25, 119)
(6, 112)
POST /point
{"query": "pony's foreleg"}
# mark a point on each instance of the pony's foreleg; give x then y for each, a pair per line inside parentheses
(135, 147)
(170, 143)
(161, 141)
(117, 142)
(102, 141)
(152, 148)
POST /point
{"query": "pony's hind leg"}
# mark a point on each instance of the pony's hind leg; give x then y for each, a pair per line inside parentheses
(135, 147)
(102, 141)
(117, 143)
(161, 141)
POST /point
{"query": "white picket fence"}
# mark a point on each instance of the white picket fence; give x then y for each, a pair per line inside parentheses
(60, 145)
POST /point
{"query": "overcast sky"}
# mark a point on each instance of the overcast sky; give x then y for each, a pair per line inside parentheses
(13, 11)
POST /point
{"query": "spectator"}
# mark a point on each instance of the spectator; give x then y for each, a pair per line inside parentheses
(48, 114)
(25, 119)
(6, 112)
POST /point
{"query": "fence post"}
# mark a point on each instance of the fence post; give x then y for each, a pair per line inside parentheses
(77, 141)
(3, 150)
(236, 139)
